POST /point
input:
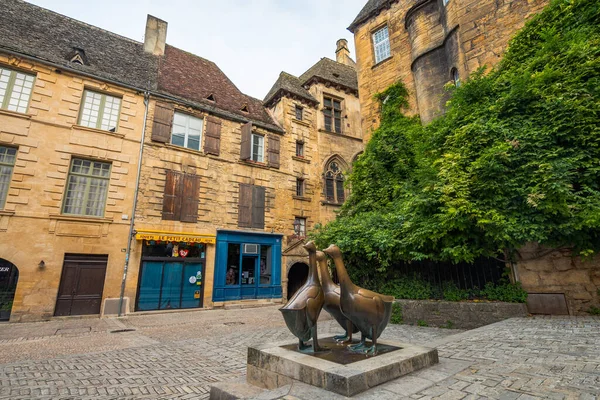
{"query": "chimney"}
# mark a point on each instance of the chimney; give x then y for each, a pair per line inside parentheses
(156, 36)
(342, 53)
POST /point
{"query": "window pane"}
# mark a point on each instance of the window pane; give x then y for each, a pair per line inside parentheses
(327, 123)
(4, 78)
(7, 155)
(299, 149)
(257, 148)
(110, 117)
(87, 186)
(5, 174)
(329, 190)
(340, 191)
(299, 187)
(381, 44)
(187, 131)
(327, 102)
(265, 265)
(248, 270)
(338, 125)
(233, 264)
(299, 113)
(17, 86)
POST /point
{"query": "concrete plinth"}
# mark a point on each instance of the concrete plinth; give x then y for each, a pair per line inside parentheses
(275, 365)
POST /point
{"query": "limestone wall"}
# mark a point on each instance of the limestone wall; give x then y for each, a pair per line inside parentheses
(32, 226)
(427, 40)
(542, 271)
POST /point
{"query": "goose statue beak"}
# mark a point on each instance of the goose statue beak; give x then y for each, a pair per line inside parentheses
(321, 256)
(332, 250)
(310, 246)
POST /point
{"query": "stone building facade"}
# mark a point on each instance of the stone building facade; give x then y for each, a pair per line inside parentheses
(136, 175)
(427, 44)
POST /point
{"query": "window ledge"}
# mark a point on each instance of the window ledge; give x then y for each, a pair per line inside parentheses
(15, 114)
(301, 159)
(185, 149)
(7, 213)
(256, 164)
(79, 218)
(329, 203)
(301, 198)
(382, 62)
(340, 135)
(300, 122)
(96, 130)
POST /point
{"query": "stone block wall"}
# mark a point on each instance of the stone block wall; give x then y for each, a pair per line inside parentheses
(544, 271)
(32, 226)
(424, 50)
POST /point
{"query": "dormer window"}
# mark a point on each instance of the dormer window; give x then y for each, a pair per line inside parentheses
(78, 57)
(211, 97)
(245, 109)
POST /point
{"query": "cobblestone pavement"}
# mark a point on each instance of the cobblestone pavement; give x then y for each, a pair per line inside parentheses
(179, 355)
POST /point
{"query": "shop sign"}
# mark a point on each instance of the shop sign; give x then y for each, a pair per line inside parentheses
(174, 237)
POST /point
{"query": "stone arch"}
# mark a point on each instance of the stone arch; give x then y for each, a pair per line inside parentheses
(9, 277)
(297, 275)
(356, 157)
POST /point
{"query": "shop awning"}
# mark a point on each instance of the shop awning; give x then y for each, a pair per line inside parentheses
(164, 236)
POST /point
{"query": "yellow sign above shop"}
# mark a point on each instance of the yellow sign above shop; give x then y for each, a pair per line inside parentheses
(175, 237)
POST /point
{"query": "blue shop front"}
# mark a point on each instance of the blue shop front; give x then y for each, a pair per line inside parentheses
(247, 266)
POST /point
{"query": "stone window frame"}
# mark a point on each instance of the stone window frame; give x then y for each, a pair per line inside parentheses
(300, 187)
(332, 109)
(98, 205)
(300, 148)
(10, 80)
(377, 45)
(333, 181)
(455, 76)
(257, 149)
(105, 106)
(300, 227)
(299, 113)
(8, 158)
(186, 133)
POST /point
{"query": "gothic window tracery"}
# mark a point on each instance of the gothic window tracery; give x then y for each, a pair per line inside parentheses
(334, 183)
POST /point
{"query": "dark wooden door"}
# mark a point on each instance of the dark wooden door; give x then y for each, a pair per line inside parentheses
(81, 285)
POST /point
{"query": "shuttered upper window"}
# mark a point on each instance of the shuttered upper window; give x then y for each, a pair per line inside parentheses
(15, 90)
(8, 156)
(100, 111)
(253, 147)
(87, 186)
(187, 131)
(381, 44)
(181, 197)
(251, 212)
(258, 148)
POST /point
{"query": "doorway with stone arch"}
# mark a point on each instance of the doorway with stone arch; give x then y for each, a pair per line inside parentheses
(297, 275)
(9, 276)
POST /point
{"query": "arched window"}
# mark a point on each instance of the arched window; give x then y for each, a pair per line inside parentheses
(334, 182)
(455, 77)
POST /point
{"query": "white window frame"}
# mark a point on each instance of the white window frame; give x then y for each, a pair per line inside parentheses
(15, 90)
(8, 157)
(300, 223)
(186, 130)
(381, 44)
(87, 188)
(259, 145)
(100, 111)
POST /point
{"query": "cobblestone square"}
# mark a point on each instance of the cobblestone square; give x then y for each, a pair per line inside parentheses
(179, 355)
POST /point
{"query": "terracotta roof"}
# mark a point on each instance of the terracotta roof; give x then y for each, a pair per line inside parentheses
(187, 76)
(48, 36)
(290, 85)
(372, 8)
(338, 74)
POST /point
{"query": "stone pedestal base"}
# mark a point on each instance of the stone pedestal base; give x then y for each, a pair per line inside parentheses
(274, 365)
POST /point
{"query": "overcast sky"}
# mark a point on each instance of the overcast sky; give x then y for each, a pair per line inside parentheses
(252, 41)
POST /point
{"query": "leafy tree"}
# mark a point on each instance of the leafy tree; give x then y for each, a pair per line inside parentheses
(515, 159)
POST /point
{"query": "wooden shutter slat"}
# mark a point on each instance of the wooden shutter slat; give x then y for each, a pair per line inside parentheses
(246, 149)
(274, 151)
(212, 143)
(172, 196)
(245, 206)
(258, 207)
(163, 122)
(190, 198)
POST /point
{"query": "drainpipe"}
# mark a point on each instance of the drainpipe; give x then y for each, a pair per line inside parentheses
(135, 197)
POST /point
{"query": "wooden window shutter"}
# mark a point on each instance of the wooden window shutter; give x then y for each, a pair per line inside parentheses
(246, 150)
(274, 150)
(258, 207)
(190, 198)
(245, 206)
(172, 196)
(212, 143)
(163, 122)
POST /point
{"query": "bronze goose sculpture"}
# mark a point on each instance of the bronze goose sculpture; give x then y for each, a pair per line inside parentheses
(368, 310)
(302, 311)
(332, 300)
